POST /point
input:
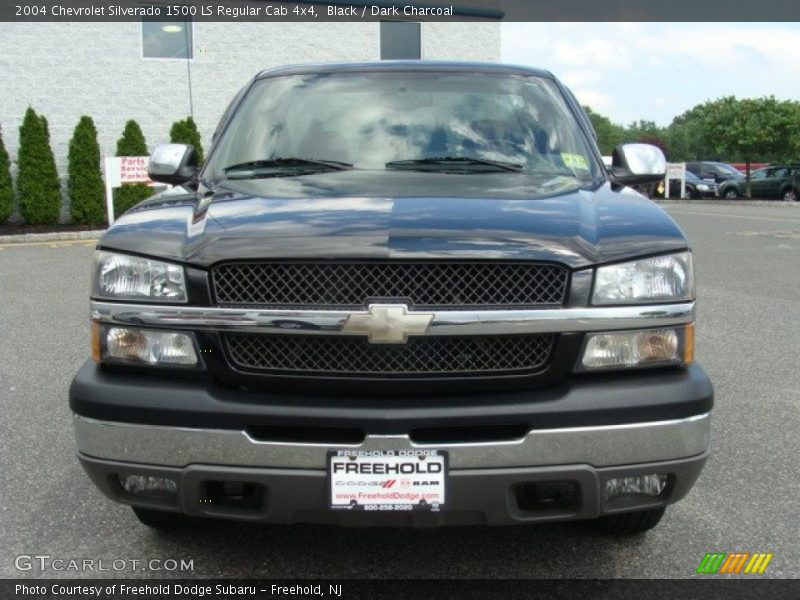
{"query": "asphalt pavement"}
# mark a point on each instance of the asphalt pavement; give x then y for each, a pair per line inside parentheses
(748, 268)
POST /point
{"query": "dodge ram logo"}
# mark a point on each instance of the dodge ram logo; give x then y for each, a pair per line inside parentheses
(388, 323)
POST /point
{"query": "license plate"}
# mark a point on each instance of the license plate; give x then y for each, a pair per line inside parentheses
(385, 480)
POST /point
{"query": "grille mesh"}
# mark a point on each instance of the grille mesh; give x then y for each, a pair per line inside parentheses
(442, 285)
(350, 355)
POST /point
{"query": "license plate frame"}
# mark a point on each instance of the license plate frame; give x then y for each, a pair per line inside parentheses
(423, 489)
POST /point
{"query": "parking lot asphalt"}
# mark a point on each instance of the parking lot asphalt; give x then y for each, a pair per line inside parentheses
(748, 268)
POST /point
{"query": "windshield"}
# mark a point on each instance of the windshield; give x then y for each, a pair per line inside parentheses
(427, 121)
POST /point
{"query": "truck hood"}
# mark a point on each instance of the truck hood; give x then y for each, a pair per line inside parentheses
(398, 215)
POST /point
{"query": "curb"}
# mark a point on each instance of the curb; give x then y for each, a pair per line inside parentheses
(55, 236)
(714, 202)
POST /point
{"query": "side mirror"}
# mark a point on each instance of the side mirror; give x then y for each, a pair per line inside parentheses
(634, 164)
(173, 164)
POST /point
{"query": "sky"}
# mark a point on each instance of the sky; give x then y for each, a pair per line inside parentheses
(655, 71)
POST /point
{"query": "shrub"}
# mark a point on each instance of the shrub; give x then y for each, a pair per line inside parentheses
(85, 186)
(6, 189)
(185, 132)
(38, 186)
(131, 144)
(132, 141)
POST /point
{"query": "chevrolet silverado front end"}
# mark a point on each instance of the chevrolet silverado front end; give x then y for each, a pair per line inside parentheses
(396, 293)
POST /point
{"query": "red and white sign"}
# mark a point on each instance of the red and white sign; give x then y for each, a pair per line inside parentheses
(133, 169)
(412, 479)
(122, 170)
(126, 169)
(675, 171)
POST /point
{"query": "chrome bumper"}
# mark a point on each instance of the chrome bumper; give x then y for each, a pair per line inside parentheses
(449, 322)
(600, 446)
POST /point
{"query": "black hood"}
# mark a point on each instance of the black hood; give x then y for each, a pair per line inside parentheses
(378, 215)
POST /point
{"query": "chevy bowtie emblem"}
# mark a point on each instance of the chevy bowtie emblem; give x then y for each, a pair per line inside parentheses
(388, 323)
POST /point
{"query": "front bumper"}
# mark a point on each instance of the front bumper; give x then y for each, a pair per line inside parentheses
(483, 482)
(583, 431)
(598, 446)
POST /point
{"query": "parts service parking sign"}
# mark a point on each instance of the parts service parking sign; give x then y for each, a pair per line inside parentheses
(122, 170)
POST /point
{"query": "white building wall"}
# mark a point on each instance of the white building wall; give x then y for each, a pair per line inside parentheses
(65, 70)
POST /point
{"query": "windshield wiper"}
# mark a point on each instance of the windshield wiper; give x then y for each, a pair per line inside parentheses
(454, 161)
(276, 167)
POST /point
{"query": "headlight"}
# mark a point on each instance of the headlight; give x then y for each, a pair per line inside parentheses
(668, 278)
(702, 187)
(124, 277)
(638, 348)
(146, 347)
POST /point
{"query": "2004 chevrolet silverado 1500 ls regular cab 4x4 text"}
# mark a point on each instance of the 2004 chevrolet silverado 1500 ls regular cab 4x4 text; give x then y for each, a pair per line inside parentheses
(396, 293)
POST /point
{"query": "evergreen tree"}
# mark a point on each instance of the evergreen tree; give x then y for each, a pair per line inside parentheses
(85, 186)
(131, 144)
(38, 186)
(6, 188)
(185, 132)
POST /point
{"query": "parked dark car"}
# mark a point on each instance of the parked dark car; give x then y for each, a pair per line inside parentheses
(396, 294)
(775, 181)
(695, 187)
(717, 171)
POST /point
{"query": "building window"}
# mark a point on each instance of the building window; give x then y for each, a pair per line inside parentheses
(400, 40)
(167, 39)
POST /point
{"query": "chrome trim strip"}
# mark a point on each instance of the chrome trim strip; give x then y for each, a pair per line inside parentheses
(600, 446)
(456, 322)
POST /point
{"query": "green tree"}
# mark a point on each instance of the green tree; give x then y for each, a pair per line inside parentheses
(6, 187)
(687, 140)
(641, 129)
(131, 144)
(752, 129)
(85, 185)
(185, 132)
(609, 134)
(38, 186)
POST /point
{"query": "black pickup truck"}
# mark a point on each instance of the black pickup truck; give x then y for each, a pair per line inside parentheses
(396, 294)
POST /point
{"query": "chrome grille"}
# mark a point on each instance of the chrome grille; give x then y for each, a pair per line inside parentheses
(439, 285)
(425, 355)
